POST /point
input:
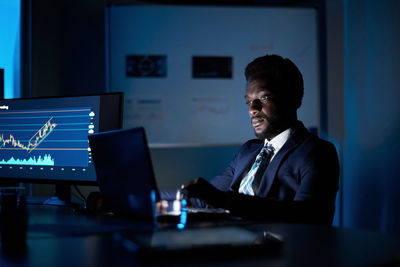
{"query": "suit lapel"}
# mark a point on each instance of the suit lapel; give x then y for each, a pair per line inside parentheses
(270, 174)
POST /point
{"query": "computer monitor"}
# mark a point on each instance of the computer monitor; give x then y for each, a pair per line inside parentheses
(45, 140)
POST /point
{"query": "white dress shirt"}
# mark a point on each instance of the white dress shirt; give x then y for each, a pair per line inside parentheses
(278, 141)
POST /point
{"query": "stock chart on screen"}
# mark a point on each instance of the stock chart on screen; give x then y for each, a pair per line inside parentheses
(47, 138)
(54, 137)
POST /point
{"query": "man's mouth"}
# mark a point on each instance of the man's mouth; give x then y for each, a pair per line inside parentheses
(257, 121)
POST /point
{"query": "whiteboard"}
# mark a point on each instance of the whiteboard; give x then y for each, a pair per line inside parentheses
(179, 110)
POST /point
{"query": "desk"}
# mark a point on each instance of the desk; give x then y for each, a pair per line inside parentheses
(59, 237)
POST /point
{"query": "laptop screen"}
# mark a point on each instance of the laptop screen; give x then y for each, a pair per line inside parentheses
(124, 171)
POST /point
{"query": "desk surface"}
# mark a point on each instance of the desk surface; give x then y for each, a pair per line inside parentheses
(59, 237)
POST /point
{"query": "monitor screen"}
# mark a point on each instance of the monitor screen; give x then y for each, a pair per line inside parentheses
(45, 140)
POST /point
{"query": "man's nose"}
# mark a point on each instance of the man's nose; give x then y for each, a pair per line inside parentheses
(255, 107)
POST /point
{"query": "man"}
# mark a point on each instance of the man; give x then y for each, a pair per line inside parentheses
(287, 174)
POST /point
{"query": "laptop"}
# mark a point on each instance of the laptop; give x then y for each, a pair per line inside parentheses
(126, 177)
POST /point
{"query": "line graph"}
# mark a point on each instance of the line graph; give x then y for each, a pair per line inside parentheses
(38, 137)
(56, 137)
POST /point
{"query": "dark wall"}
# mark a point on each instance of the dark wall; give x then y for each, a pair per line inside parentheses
(372, 116)
(68, 48)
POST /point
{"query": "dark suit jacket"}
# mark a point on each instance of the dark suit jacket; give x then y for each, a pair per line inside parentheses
(299, 184)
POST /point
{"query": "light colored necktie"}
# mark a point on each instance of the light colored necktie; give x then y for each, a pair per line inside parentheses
(246, 184)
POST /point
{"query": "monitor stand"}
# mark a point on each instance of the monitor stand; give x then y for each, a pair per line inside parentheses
(62, 196)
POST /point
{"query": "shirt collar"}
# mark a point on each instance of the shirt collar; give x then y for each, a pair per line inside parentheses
(278, 141)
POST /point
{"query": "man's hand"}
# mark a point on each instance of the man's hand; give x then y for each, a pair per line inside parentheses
(202, 189)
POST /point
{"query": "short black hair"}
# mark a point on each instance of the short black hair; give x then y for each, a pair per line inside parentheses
(281, 75)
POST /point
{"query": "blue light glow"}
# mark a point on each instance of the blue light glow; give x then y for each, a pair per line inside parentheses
(10, 46)
(183, 218)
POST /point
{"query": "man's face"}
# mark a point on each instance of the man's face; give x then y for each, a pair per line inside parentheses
(267, 116)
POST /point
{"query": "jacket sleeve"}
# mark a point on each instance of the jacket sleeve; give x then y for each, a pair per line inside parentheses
(224, 181)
